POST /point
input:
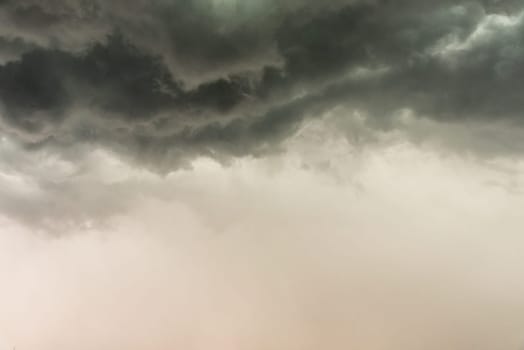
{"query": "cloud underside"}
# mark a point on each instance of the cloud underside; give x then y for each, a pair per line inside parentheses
(261, 174)
(165, 81)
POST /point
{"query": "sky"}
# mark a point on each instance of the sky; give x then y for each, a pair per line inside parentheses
(261, 174)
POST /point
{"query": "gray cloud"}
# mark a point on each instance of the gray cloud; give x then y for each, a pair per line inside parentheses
(371, 199)
(164, 81)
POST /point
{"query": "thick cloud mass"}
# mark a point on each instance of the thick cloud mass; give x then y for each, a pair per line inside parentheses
(261, 174)
(163, 81)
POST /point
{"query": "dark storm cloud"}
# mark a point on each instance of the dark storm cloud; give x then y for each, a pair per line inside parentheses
(114, 77)
(170, 79)
(40, 87)
(12, 48)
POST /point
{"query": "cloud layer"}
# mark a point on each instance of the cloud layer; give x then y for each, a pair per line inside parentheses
(261, 174)
(322, 246)
(166, 81)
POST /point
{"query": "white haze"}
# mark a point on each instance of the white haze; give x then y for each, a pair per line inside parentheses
(327, 246)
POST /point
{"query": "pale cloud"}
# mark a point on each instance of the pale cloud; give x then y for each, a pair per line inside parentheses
(393, 246)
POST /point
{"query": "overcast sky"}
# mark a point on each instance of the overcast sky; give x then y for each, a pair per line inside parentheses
(261, 174)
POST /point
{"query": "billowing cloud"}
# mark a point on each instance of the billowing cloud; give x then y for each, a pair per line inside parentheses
(261, 174)
(174, 80)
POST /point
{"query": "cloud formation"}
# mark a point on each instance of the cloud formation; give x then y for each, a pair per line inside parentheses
(261, 174)
(166, 81)
(320, 246)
